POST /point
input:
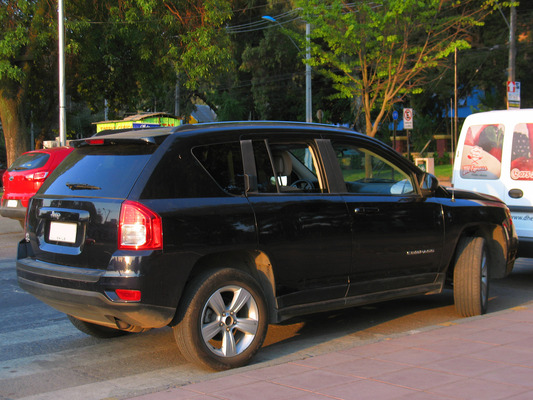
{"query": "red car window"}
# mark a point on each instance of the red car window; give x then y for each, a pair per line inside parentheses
(29, 161)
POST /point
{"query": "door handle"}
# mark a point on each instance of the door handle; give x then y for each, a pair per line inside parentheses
(516, 193)
(366, 210)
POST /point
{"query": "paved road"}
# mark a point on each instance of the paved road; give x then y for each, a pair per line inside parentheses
(42, 356)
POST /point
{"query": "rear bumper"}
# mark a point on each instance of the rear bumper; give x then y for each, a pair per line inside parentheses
(82, 293)
(18, 212)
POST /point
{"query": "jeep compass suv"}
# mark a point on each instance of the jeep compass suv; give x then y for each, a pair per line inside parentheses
(218, 230)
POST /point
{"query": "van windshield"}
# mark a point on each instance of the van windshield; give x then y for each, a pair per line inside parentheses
(103, 171)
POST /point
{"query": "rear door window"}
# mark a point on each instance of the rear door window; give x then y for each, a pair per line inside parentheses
(29, 161)
(482, 152)
(287, 167)
(521, 155)
(103, 171)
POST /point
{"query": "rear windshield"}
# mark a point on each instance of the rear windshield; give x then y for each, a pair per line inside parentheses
(100, 171)
(29, 161)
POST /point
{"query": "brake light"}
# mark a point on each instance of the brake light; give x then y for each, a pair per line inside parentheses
(38, 176)
(139, 228)
(128, 294)
(94, 141)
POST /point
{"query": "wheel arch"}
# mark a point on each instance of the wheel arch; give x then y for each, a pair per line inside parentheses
(497, 245)
(255, 263)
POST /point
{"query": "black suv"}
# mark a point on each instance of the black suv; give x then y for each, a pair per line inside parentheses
(220, 229)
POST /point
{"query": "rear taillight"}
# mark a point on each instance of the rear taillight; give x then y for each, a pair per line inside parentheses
(139, 228)
(38, 176)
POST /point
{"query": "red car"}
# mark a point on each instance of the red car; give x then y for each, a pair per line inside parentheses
(25, 176)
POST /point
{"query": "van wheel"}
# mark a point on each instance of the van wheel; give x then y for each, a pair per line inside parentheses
(471, 277)
(222, 320)
(99, 331)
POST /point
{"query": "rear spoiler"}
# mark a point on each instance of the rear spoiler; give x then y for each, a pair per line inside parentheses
(129, 137)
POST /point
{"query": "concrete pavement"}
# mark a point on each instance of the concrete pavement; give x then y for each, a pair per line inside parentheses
(486, 357)
(8, 225)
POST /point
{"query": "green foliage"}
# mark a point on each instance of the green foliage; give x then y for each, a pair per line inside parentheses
(379, 51)
(26, 33)
(274, 63)
(131, 52)
(444, 160)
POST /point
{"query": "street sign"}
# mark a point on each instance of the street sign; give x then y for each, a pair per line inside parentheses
(513, 94)
(395, 115)
(407, 118)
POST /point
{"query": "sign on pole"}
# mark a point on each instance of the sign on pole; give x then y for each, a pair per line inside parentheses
(407, 118)
(513, 94)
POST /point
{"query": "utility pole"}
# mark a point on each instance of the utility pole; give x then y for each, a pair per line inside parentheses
(308, 93)
(512, 45)
(62, 110)
(455, 115)
(514, 100)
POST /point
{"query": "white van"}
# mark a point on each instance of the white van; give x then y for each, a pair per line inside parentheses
(495, 156)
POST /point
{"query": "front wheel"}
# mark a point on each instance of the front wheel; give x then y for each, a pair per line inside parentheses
(471, 277)
(223, 320)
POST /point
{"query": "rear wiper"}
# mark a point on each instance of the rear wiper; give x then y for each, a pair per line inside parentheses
(81, 186)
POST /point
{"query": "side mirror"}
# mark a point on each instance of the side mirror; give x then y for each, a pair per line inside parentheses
(429, 184)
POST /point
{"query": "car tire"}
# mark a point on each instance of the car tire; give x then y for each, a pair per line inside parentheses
(99, 331)
(222, 319)
(471, 277)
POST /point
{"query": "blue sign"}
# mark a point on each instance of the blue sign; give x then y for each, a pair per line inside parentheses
(395, 115)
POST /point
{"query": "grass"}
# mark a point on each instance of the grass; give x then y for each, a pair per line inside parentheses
(444, 171)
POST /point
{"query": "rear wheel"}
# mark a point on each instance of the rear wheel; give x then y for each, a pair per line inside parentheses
(99, 331)
(471, 277)
(223, 320)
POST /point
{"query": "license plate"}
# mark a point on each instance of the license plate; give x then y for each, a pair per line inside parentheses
(12, 203)
(63, 232)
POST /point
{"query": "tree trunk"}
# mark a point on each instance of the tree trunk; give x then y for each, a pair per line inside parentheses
(13, 123)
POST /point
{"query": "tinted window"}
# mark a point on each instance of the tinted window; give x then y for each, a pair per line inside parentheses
(103, 171)
(482, 152)
(287, 167)
(224, 163)
(29, 161)
(366, 172)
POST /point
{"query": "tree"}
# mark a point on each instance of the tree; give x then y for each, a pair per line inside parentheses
(25, 43)
(131, 52)
(378, 51)
(128, 52)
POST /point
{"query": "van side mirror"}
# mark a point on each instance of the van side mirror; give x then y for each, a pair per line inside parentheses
(429, 184)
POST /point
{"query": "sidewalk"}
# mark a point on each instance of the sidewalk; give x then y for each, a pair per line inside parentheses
(487, 357)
